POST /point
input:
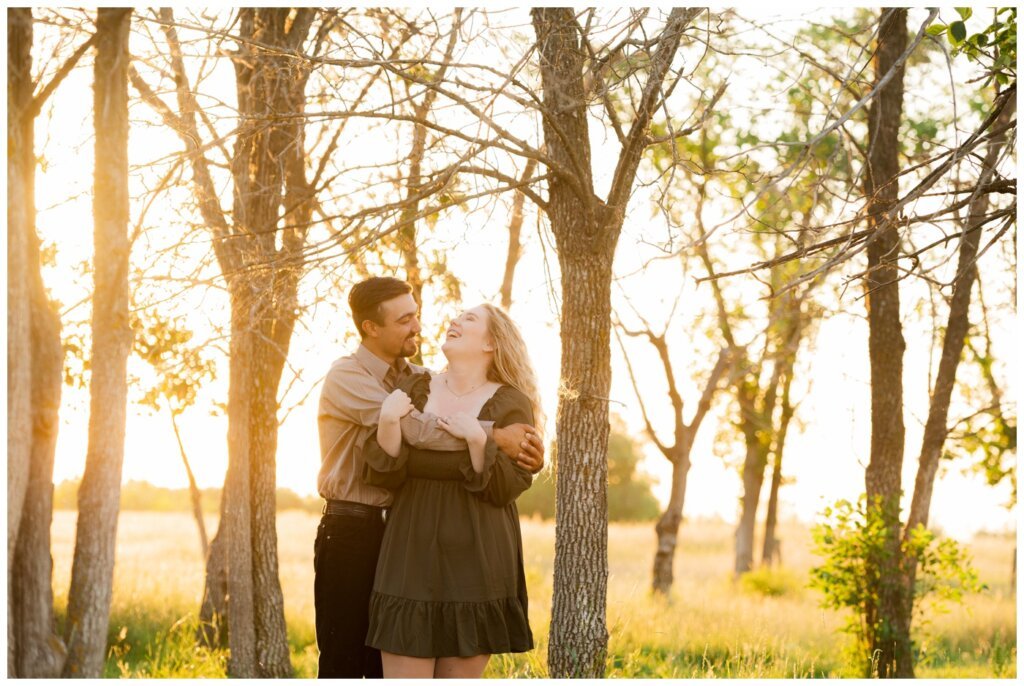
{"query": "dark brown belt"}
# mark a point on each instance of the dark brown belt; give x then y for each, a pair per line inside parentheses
(354, 509)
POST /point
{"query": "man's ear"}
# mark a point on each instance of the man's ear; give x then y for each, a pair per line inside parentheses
(370, 328)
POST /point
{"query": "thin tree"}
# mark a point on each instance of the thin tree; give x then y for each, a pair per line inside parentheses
(260, 254)
(20, 222)
(32, 640)
(586, 230)
(92, 570)
(20, 211)
(955, 333)
(678, 452)
(885, 338)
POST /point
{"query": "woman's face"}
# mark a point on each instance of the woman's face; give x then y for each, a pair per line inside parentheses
(468, 333)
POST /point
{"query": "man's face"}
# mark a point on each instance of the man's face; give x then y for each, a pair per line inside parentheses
(396, 337)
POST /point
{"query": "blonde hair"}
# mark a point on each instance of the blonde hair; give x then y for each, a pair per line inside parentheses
(511, 364)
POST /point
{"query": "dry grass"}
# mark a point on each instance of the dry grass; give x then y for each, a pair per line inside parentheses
(710, 627)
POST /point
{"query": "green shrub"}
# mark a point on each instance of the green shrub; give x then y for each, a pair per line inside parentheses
(769, 581)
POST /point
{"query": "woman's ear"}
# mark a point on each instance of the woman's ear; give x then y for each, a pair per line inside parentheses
(489, 345)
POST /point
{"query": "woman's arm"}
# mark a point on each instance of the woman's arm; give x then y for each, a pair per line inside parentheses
(389, 430)
(467, 428)
(503, 479)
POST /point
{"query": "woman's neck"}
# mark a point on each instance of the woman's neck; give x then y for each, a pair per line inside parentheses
(463, 375)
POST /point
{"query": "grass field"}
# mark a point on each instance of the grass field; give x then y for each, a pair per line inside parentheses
(711, 627)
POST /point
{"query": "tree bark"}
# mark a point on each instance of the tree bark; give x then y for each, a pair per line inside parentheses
(586, 232)
(957, 326)
(757, 424)
(271, 632)
(578, 641)
(193, 489)
(891, 641)
(20, 172)
(754, 464)
(771, 553)
(213, 630)
(33, 648)
(99, 495)
(667, 528)
(237, 520)
(20, 213)
(40, 653)
(269, 160)
(579, 638)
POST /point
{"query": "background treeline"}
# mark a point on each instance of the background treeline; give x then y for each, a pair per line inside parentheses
(629, 492)
(142, 496)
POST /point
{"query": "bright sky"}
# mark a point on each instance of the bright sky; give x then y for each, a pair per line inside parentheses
(827, 449)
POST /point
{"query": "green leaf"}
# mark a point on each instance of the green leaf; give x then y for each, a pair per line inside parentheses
(957, 32)
(964, 12)
(936, 29)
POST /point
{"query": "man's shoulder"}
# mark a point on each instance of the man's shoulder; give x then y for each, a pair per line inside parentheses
(346, 366)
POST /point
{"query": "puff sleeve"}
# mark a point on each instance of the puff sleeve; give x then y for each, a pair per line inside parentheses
(502, 479)
(381, 469)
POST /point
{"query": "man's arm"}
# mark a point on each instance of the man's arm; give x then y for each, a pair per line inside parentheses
(351, 394)
(522, 443)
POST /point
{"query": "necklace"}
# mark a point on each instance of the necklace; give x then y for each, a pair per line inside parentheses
(464, 394)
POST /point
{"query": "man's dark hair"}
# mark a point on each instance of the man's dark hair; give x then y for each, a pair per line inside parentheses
(366, 297)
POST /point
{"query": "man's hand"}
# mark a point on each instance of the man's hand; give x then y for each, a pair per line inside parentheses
(522, 443)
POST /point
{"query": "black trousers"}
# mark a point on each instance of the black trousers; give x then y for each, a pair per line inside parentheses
(344, 562)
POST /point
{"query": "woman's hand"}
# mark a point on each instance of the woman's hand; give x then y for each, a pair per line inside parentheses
(394, 407)
(465, 426)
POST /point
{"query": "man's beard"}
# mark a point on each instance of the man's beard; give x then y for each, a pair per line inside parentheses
(409, 347)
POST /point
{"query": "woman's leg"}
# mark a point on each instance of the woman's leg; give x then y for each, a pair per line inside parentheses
(459, 667)
(405, 667)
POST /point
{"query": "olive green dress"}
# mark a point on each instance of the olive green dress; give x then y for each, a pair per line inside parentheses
(450, 579)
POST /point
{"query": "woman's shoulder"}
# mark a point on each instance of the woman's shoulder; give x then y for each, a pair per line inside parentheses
(509, 398)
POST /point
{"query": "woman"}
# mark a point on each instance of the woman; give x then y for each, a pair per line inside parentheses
(450, 588)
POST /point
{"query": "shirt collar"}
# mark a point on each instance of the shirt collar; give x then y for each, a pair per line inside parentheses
(376, 366)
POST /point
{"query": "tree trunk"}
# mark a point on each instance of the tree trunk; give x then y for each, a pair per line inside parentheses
(667, 527)
(40, 653)
(99, 495)
(957, 327)
(213, 629)
(20, 217)
(586, 232)
(269, 159)
(771, 553)
(891, 641)
(753, 479)
(578, 642)
(237, 519)
(579, 638)
(20, 212)
(271, 632)
(758, 427)
(193, 489)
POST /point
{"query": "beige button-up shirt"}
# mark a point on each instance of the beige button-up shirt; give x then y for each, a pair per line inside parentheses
(350, 401)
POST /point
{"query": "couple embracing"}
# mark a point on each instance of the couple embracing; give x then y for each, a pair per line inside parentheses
(418, 559)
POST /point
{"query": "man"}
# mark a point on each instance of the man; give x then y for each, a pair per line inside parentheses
(350, 532)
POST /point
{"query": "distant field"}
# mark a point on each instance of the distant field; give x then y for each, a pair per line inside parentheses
(710, 629)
